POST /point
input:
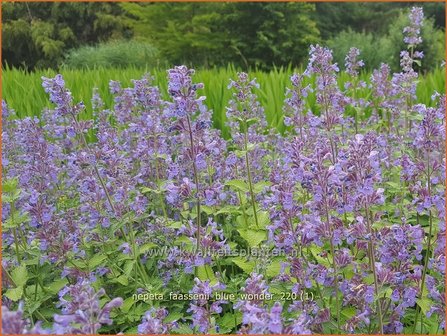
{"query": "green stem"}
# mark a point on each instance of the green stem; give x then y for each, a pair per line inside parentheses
(334, 265)
(372, 260)
(196, 179)
(157, 172)
(429, 242)
(250, 182)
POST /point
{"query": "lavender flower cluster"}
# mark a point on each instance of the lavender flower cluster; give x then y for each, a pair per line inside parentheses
(352, 193)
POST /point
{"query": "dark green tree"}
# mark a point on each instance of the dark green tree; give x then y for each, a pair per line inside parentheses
(39, 34)
(369, 17)
(246, 34)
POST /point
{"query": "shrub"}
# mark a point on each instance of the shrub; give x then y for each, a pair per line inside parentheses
(115, 54)
(377, 49)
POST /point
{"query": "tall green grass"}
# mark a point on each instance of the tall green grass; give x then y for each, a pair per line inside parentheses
(24, 93)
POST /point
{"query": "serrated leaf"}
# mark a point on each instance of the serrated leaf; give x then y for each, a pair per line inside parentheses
(147, 190)
(206, 209)
(260, 186)
(34, 306)
(229, 209)
(57, 285)
(229, 322)
(349, 312)
(238, 185)
(127, 304)
(425, 304)
(183, 329)
(175, 225)
(369, 280)
(14, 294)
(323, 261)
(123, 280)
(96, 260)
(146, 247)
(263, 219)
(19, 275)
(239, 153)
(10, 185)
(173, 317)
(253, 237)
(132, 331)
(245, 265)
(205, 272)
(128, 267)
(394, 185)
(274, 268)
(11, 197)
(16, 220)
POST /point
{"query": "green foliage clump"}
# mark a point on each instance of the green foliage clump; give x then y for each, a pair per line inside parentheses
(374, 49)
(209, 34)
(37, 35)
(114, 54)
(385, 48)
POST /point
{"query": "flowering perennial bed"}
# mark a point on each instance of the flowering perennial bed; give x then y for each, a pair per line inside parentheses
(145, 220)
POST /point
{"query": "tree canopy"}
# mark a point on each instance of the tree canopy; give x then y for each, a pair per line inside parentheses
(246, 34)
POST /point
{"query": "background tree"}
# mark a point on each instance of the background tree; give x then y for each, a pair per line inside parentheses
(369, 17)
(246, 34)
(262, 35)
(39, 34)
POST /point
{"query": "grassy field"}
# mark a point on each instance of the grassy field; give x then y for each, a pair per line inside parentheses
(24, 93)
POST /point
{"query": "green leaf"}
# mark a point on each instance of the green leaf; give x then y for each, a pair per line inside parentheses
(417, 117)
(206, 209)
(394, 185)
(57, 285)
(274, 268)
(34, 306)
(251, 146)
(349, 312)
(229, 322)
(11, 197)
(239, 153)
(16, 220)
(183, 329)
(175, 225)
(263, 219)
(424, 304)
(244, 264)
(10, 185)
(369, 280)
(253, 237)
(20, 275)
(260, 186)
(123, 280)
(132, 331)
(128, 267)
(239, 185)
(173, 316)
(348, 272)
(96, 260)
(205, 272)
(418, 62)
(229, 209)
(147, 190)
(323, 261)
(14, 294)
(146, 247)
(127, 304)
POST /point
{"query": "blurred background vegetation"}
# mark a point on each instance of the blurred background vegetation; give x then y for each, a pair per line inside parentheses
(204, 35)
